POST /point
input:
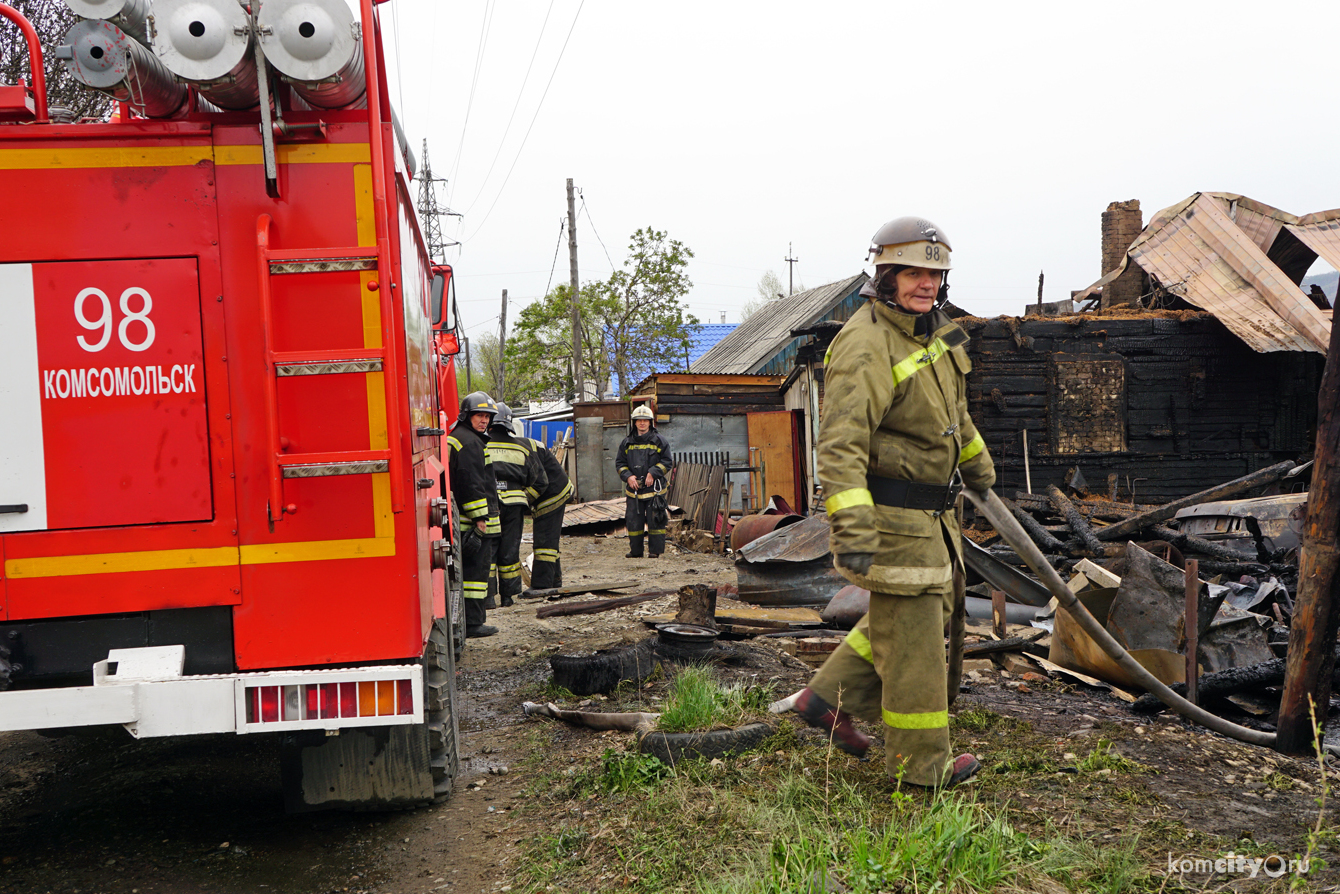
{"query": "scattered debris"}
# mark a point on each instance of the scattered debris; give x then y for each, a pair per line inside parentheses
(629, 722)
(591, 607)
(575, 589)
(791, 565)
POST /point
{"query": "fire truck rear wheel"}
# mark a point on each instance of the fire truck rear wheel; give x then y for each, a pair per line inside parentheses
(440, 717)
(456, 596)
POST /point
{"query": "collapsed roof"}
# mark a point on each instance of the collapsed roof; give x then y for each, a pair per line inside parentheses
(1242, 261)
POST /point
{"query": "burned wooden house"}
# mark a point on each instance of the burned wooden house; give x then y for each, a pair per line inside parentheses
(1202, 364)
(1150, 405)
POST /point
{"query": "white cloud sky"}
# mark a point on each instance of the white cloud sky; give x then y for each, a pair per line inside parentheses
(741, 128)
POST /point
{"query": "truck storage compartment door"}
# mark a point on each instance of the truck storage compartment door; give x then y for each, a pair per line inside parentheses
(102, 382)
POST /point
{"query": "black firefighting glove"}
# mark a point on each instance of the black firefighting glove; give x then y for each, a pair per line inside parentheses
(857, 562)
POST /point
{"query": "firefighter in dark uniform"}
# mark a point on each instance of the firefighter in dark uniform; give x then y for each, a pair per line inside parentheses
(521, 480)
(476, 495)
(644, 463)
(895, 448)
(547, 512)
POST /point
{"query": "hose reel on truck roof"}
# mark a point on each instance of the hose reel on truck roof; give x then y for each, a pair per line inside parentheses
(314, 45)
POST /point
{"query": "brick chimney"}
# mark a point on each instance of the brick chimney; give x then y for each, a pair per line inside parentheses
(1122, 223)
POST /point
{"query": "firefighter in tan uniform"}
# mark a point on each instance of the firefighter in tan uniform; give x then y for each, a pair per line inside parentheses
(896, 447)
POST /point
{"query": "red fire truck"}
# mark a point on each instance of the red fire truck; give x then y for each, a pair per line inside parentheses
(223, 347)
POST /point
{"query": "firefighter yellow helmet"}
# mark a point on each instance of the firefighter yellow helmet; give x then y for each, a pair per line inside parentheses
(911, 242)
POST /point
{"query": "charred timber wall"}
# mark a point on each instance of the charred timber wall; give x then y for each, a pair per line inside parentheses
(1171, 406)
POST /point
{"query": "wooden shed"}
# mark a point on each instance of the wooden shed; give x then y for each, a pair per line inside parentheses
(737, 421)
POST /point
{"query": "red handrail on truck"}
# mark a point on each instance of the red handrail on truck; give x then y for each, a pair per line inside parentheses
(34, 58)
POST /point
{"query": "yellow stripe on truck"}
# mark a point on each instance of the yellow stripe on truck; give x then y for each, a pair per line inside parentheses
(213, 557)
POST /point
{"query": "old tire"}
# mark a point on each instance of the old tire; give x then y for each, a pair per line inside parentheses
(605, 670)
(672, 748)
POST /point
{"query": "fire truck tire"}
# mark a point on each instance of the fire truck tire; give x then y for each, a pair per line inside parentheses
(440, 708)
(387, 767)
(456, 600)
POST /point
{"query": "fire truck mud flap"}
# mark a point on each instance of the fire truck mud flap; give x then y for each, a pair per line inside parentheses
(382, 768)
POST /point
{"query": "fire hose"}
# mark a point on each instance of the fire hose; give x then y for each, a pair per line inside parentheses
(1012, 532)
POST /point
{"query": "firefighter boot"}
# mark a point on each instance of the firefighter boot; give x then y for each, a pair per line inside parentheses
(817, 712)
(960, 770)
(964, 767)
(480, 630)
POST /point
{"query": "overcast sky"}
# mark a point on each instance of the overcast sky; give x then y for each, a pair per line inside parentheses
(747, 130)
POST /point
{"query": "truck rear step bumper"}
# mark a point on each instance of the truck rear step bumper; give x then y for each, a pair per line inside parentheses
(145, 691)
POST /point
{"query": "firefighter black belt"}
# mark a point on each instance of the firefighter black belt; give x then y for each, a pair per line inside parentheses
(913, 494)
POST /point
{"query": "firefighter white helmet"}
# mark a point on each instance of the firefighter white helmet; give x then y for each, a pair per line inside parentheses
(644, 412)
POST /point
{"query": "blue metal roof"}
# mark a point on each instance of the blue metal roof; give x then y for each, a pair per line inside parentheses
(705, 336)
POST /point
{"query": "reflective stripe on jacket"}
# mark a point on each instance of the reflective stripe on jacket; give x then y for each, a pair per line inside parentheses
(520, 473)
(640, 454)
(472, 483)
(896, 405)
(559, 489)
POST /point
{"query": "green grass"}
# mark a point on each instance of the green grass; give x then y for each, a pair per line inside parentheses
(632, 770)
(698, 702)
(779, 822)
(980, 720)
(1084, 865)
(794, 816)
(1102, 757)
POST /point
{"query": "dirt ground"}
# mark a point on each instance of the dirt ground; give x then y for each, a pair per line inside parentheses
(204, 816)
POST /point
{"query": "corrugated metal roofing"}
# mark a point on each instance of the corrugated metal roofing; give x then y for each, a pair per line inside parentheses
(1211, 249)
(1321, 233)
(594, 512)
(766, 334)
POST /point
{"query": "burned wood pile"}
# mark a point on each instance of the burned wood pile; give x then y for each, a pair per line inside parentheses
(1180, 604)
(1084, 527)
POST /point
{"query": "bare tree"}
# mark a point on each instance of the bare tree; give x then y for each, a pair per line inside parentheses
(51, 19)
(770, 288)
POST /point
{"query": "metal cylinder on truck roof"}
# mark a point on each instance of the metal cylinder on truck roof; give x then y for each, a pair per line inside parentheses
(100, 55)
(208, 43)
(130, 16)
(315, 45)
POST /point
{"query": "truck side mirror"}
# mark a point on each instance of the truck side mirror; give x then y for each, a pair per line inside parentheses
(442, 308)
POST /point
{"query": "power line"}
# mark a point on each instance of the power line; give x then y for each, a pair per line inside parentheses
(492, 319)
(474, 82)
(562, 225)
(506, 130)
(400, 80)
(532, 124)
(593, 229)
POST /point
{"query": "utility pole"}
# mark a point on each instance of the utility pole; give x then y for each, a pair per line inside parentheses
(574, 293)
(469, 385)
(502, 343)
(790, 270)
(1316, 614)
